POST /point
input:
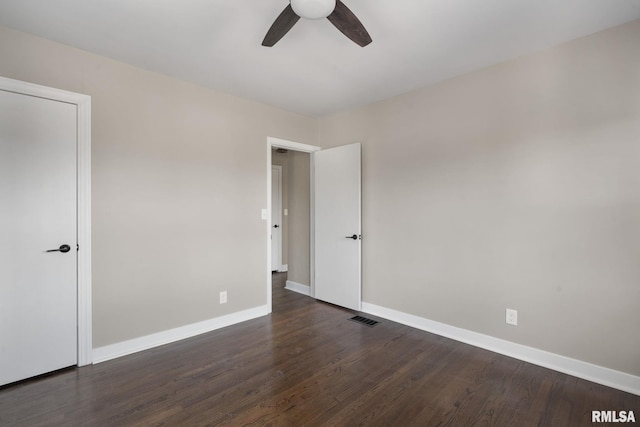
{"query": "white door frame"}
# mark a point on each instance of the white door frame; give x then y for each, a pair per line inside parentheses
(83, 103)
(295, 146)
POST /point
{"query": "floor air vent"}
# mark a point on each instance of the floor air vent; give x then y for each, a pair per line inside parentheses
(368, 322)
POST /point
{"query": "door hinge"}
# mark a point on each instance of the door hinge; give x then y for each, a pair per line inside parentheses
(77, 247)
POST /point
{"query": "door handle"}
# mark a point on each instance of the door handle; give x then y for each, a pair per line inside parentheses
(276, 226)
(62, 248)
(354, 237)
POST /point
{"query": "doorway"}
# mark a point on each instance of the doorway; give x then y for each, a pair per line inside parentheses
(297, 215)
(335, 263)
(290, 211)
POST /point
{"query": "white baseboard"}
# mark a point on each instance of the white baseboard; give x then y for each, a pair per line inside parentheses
(297, 287)
(577, 368)
(112, 351)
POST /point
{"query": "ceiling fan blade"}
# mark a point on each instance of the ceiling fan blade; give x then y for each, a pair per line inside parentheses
(281, 26)
(349, 24)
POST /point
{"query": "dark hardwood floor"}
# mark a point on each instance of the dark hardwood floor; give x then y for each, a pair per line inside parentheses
(306, 364)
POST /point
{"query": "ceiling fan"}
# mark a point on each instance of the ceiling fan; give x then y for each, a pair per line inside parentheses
(334, 10)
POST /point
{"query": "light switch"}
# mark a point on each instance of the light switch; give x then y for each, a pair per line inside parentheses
(286, 212)
(264, 214)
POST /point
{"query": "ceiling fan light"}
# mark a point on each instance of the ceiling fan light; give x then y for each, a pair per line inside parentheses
(313, 9)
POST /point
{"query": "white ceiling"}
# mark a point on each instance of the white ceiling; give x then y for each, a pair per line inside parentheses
(314, 70)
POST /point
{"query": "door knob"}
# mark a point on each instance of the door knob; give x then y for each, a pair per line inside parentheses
(276, 226)
(354, 237)
(62, 248)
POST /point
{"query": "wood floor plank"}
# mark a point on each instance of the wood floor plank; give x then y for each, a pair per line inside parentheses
(307, 364)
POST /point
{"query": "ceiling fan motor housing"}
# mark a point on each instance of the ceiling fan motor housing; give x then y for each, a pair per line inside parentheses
(313, 9)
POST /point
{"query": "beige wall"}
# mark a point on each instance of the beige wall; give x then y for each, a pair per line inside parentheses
(299, 217)
(516, 186)
(178, 185)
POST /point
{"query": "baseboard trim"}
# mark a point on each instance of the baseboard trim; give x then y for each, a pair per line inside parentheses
(577, 368)
(124, 348)
(297, 287)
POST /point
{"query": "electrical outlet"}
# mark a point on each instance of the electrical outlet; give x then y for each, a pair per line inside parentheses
(223, 297)
(512, 317)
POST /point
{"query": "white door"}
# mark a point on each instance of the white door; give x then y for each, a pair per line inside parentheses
(38, 291)
(276, 218)
(337, 226)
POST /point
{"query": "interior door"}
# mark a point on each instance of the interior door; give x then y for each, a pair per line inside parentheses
(338, 226)
(38, 289)
(276, 218)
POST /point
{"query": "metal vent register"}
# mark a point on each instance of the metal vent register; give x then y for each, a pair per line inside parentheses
(368, 322)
